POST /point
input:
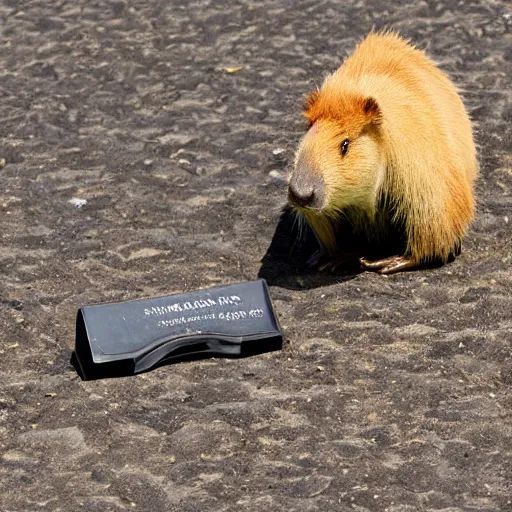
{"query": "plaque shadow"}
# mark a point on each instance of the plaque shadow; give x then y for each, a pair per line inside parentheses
(119, 369)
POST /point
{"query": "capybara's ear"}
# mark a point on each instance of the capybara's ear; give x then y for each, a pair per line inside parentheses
(371, 110)
(311, 99)
(310, 104)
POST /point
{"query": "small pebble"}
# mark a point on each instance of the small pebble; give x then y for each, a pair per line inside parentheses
(78, 202)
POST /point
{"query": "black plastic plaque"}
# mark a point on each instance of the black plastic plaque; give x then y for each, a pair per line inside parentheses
(130, 337)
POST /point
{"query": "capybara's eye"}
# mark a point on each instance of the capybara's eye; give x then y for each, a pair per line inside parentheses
(344, 147)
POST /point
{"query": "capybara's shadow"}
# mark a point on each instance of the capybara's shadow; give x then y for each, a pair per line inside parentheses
(285, 262)
(293, 243)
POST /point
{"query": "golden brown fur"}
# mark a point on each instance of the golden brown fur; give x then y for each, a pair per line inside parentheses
(411, 148)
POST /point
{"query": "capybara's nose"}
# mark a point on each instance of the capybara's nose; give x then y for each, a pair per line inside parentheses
(303, 198)
(306, 191)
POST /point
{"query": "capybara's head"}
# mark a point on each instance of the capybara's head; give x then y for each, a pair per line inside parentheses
(339, 162)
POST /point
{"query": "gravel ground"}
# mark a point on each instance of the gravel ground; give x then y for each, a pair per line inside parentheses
(136, 161)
